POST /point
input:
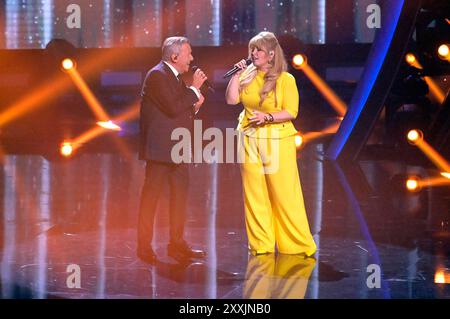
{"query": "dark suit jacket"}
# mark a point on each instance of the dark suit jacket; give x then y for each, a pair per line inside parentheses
(166, 104)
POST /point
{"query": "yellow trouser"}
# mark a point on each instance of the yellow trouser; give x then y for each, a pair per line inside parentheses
(280, 277)
(274, 207)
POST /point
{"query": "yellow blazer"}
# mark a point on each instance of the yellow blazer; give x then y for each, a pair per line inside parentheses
(287, 99)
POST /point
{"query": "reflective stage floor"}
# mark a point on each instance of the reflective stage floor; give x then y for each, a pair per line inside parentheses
(68, 230)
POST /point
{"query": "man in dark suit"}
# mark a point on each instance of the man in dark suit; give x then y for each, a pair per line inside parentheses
(167, 104)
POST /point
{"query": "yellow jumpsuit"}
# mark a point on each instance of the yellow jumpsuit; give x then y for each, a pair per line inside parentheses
(274, 208)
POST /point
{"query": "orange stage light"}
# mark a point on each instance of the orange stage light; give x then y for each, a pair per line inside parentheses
(36, 99)
(434, 181)
(435, 90)
(67, 64)
(298, 140)
(416, 138)
(439, 277)
(444, 52)
(87, 136)
(434, 156)
(131, 113)
(90, 98)
(54, 87)
(66, 149)
(411, 59)
(442, 276)
(299, 61)
(412, 184)
(310, 136)
(109, 125)
(339, 106)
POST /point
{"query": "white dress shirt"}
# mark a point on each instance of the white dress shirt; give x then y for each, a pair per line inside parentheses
(176, 75)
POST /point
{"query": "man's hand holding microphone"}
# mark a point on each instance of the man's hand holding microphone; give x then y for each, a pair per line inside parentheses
(198, 79)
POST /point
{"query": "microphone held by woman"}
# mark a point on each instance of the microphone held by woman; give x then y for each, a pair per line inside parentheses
(236, 69)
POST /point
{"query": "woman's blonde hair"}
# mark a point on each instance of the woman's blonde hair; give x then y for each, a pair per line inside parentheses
(268, 42)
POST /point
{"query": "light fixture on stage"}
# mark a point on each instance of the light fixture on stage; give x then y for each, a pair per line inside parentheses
(412, 61)
(431, 36)
(298, 140)
(109, 125)
(414, 136)
(412, 184)
(446, 174)
(68, 64)
(444, 52)
(299, 61)
(435, 91)
(59, 51)
(410, 58)
(439, 277)
(66, 149)
(442, 275)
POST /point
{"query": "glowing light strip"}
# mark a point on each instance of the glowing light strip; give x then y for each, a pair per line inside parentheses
(322, 20)
(12, 24)
(107, 22)
(216, 22)
(435, 181)
(47, 10)
(375, 61)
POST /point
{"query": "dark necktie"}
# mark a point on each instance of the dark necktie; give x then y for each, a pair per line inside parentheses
(180, 81)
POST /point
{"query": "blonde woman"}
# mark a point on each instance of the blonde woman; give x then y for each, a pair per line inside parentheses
(274, 208)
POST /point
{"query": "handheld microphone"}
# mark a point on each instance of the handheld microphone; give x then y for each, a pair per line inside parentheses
(236, 69)
(210, 87)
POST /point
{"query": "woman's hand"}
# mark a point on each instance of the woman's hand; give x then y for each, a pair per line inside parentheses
(258, 118)
(242, 65)
(232, 92)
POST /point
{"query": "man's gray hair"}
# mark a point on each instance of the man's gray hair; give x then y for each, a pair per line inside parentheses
(171, 46)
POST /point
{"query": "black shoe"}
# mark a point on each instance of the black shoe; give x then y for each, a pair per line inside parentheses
(147, 255)
(182, 252)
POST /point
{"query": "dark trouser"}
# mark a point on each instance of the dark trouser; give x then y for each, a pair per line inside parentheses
(157, 175)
